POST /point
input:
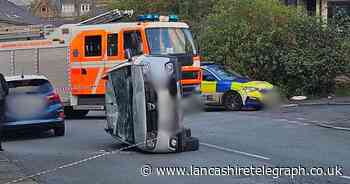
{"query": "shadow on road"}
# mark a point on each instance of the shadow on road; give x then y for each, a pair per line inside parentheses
(92, 117)
(27, 135)
(119, 146)
(222, 109)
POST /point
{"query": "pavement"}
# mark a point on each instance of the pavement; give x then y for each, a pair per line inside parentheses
(337, 120)
(10, 171)
(284, 138)
(323, 101)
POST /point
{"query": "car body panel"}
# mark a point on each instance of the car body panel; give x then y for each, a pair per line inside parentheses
(33, 122)
(213, 91)
(32, 104)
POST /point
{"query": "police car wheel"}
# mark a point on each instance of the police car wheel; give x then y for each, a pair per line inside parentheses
(233, 101)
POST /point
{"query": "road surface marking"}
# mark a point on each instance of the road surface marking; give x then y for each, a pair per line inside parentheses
(72, 164)
(345, 177)
(234, 151)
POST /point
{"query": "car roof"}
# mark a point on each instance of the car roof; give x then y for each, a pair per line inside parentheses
(208, 63)
(25, 77)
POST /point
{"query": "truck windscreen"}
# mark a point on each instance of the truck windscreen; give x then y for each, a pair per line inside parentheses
(164, 41)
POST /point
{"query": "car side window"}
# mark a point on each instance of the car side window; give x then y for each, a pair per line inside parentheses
(207, 76)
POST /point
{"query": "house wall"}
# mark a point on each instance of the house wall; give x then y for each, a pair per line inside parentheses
(66, 9)
(319, 7)
(44, 9)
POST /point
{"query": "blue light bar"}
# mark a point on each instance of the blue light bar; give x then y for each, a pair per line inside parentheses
(173, 18)
(157, 17)
(148, 17)
(141, 18)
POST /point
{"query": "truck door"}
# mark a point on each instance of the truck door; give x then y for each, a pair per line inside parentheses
(87, 54)
(133, 40)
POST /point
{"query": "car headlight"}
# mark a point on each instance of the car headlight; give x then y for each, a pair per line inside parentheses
(251, 89)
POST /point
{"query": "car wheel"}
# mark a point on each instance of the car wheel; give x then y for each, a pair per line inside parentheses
(60, 131)
(232, 101)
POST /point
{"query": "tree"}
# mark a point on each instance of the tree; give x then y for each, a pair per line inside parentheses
(269, 41)
(193, 12)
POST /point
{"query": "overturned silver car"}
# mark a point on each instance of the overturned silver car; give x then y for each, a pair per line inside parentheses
(143, 105)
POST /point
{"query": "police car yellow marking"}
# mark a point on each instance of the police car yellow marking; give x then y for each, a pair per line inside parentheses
(208, 86)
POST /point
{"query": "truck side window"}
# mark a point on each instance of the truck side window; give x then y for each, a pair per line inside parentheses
(112, 45)
(133, 41)
(93, 46)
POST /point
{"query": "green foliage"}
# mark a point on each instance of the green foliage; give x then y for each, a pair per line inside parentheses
(269, 41)
(193, 12)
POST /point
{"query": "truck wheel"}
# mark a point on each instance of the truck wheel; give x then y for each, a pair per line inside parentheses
(60, 130)
(70, 113)
(232, 101)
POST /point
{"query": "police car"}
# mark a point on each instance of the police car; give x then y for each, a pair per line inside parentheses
(232, 90)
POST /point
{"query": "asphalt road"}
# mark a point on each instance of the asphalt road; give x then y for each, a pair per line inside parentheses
(274, 139)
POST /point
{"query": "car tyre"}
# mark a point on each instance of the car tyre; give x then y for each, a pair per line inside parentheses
(232, 101)
(60, 131)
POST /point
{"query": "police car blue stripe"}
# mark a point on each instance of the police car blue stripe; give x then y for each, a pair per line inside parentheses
(223, 86)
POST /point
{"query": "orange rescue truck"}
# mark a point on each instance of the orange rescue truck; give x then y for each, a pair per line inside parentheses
(75, 57)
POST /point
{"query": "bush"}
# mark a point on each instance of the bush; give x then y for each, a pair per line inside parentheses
(269, 41)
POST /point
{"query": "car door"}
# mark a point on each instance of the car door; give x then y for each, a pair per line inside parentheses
(209, 87)
(209, 83)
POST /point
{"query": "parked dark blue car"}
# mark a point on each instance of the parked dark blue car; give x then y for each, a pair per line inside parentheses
(32, 104)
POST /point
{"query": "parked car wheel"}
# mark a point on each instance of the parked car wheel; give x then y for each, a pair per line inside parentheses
(232, 101)
(60, 131)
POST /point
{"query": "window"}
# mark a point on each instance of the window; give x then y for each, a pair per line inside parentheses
(43, 9)
(68, 8)
(123, 89)
(189, 75)
(133, 41)
(163, 41)
(85, 8)
(93, 46)
(112, 45)
(35, 86)
(338, 9)
(207, 76)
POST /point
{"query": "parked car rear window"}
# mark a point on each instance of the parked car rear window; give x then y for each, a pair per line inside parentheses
(34, 86)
